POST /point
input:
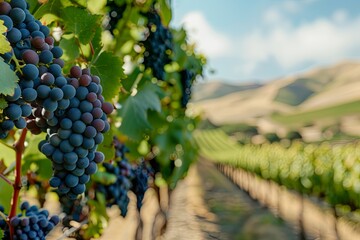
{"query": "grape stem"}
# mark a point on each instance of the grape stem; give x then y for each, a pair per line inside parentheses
(19, 148)
(16, 61)
(5, 179)
(5, 144)
(3, 215)
(67, 233)
(135, 84)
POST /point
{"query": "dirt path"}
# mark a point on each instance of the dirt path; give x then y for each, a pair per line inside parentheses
(206, 205)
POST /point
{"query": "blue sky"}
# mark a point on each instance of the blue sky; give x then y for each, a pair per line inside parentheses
(261, 40)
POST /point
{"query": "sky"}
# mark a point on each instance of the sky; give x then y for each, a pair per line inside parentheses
(261, 40)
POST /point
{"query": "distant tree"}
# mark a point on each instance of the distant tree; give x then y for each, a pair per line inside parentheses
(293, 135)
(272, 137)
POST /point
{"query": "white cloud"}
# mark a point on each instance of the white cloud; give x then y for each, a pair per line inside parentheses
(272, 16)
(321, 41)
(209, 41)
(340, 16)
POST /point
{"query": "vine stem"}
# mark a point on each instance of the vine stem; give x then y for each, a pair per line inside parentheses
(5, 144)
(5, 179)
(19, 147)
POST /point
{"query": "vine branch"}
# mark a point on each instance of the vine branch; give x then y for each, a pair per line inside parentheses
(5, 179)
(19, 148)
(6, 145)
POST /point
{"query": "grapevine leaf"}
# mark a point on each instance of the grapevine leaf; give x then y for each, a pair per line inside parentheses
(165, 11)
(8, 79)
(32, 152)
(49, 11)
(81, 23)
(95, 6)
(42, 167)
(3, 103)
(96, 42)
(104, 178)
(106, 147)
(70, 48)
(109, 68)
(1, 234)
(4, 43)
(7, 154)
(6, 194)
(134, 111)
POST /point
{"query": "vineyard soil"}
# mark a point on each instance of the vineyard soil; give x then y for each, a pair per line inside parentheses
(205, 205)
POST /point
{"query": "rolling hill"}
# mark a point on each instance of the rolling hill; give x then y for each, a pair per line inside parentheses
(293, 100)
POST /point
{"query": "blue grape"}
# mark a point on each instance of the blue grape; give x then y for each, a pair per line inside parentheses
(14, 35)
(13, 111)
(29, 94)
(17, 15)
(30, 71)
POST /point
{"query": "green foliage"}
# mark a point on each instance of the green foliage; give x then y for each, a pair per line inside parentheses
(334, 112)
(6, 193)
(8, 79)
(109, 68)
(271, 137)
(104, 178)
(324, 171)
(1, 234)
(135, 110)
(81, 23)
(4, 43)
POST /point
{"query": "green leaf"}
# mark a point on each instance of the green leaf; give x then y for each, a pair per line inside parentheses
(4, 43)
(81, 23)
(3, 103)
(96, 6)
(49, 11)
(106, 147)
(70, 48)
(109, 68)
(42, 167)
(6, 191)
(32, 152)
(104, 178)
(1, 234)
(165, 11)
(96, 42)
(7, 154)
(8, 79)
(134, 112)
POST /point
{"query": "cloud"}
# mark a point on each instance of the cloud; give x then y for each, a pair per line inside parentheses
(211, 42)
(321, 41)
(272, 16)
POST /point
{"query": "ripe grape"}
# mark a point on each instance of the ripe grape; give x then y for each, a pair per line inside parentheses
(30, 223)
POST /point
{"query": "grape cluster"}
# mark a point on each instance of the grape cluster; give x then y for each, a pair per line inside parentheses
(186, 78)
(71, 145)
(14, 113)
(32, 223)
(36, 61)
(70, 110)
(116, 193)
(115, 13)
(140, 183)
(22, 29)
(158, 45)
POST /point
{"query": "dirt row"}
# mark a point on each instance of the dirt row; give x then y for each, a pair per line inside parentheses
(205, 205)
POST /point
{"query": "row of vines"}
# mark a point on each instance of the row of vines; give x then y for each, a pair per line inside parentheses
(93, 104)
(327, 172)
